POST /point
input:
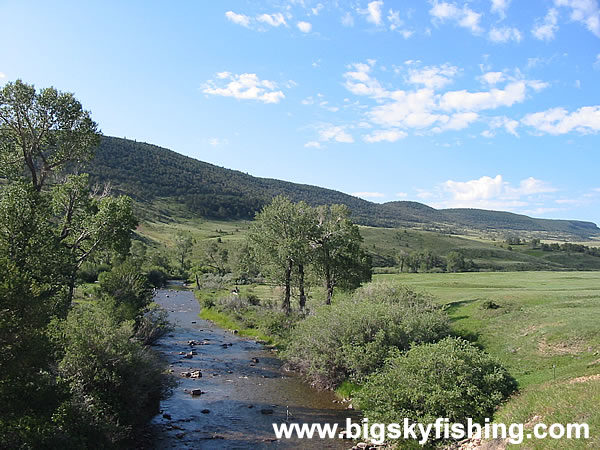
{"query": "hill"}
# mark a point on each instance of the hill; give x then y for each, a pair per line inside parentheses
(150, 173)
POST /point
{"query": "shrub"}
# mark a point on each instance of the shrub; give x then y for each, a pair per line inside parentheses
(128, 288)
(157, 277)
(152, 324)
(354, 336)
(114, 382)
(450, 378)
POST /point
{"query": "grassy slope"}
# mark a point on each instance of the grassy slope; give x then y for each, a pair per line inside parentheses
(545, 319)
(382, 243)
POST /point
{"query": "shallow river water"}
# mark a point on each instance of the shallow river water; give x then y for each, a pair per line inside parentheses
(244, 389)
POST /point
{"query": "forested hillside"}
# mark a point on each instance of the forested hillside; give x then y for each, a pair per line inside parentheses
(148, 172)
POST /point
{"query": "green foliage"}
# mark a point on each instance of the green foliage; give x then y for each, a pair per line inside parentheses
(353, 336)
(450, 378)
(42, 131)
(128, 287)
(114, 382)
(157, 277)
(147, 173)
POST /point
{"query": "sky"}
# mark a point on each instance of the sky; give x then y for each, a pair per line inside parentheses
(490, 104)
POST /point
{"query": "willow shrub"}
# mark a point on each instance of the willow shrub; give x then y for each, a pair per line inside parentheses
(354, 336)
(449, 379)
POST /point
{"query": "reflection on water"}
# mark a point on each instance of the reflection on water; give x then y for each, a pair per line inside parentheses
(243, 389)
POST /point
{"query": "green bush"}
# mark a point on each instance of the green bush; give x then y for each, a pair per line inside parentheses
(114, 383)
(450, 378)
(157, 277)
(354, 336)
(128, 288)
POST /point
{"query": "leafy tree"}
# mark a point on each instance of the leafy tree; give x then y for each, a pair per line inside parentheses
(455, 262)
(338, 254)
(45, 131)
(277, 241)
(215, 256)
(183, 246)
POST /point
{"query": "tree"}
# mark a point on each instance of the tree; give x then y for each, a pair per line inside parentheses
(455, 262)
(45, 130)
(338, 256)
(215, 256)
(183, 246)
(278, 241)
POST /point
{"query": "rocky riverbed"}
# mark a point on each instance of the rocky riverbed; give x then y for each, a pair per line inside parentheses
(231, 390)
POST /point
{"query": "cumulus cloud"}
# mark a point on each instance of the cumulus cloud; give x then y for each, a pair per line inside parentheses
(274, 20)
(239, 19)
(475, 101)
(586, 12)
(500, 6)
(373, 12)
(491, 193)
(433, 77)
(504, 34)
(463, 17)
(385, 136)
(557, 121)
(493, 78)
(305, 27)
(335, 133)
(247, 86)
(546, 29)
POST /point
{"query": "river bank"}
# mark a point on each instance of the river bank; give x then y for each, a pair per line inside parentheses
(240, 386)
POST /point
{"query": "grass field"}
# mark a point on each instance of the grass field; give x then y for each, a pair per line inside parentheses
(546, 325)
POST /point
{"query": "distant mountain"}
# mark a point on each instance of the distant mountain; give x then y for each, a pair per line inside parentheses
(148, 173)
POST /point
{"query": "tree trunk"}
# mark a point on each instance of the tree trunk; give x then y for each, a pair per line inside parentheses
(302, 299)
(288, 277)
(328, 285)
(197, 282)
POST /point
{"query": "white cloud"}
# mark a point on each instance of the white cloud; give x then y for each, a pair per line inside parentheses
(474, 101)
(597, 62)
(492, 193)
(313, 144)
(348, 20)
(585, 11)
(545, 31)
(368, 194)
(464, 17)
(2, 75)
(385, 136)
(401, 194)
(246, 86)
(493, 78)
(305, 27)
(433, 77)
(557, 121)
(500, 6)
(217, 142)
(458, 121)
(239, 19)
(336, 133)
(504, 34)
(317, 9)
(274, 20)
(373, 12)
(510, 125)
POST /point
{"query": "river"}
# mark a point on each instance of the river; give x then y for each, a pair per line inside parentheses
(244, 389)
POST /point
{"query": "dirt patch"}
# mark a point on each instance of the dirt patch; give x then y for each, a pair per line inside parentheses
(585, 379)
(560, 348)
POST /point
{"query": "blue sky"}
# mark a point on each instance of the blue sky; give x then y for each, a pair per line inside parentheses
(491, 104)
